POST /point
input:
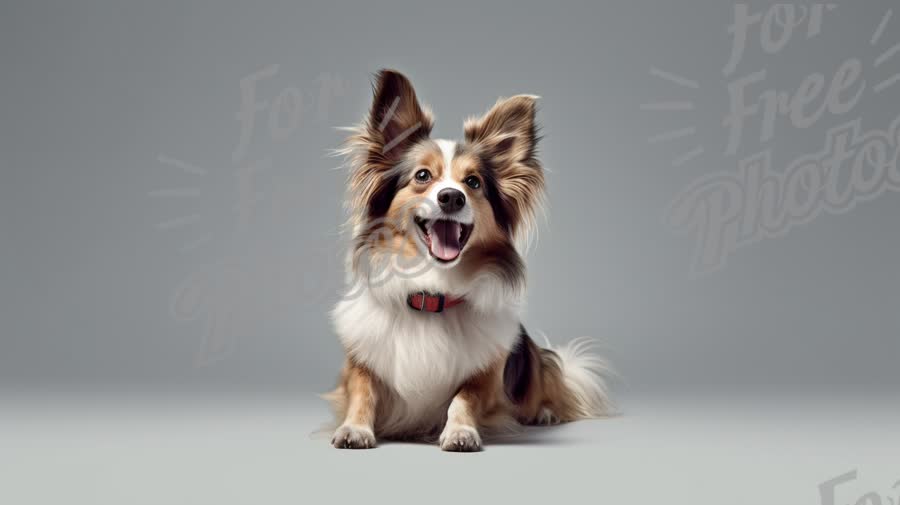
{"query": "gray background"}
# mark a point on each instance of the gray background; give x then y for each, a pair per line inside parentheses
(94, 94)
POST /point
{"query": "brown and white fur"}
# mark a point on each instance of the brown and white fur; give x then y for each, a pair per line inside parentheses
(471, 369)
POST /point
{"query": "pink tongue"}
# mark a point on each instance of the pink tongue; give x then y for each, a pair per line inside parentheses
(445, 239)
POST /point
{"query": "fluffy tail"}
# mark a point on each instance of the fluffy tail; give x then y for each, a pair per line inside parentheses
(567, 383)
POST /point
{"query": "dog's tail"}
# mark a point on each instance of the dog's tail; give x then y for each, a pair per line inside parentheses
(576, 379)
(562, 384)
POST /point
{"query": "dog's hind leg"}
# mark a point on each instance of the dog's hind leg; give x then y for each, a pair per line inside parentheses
(548, 386)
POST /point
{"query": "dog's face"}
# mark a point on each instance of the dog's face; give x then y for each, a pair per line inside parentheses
(443, 185)
(452, 203)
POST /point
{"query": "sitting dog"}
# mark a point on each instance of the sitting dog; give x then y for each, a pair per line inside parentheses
(430, 323)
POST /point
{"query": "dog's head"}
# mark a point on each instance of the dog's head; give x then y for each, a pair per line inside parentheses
(452, 204)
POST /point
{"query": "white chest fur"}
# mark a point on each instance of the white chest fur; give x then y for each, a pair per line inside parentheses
(423, 357)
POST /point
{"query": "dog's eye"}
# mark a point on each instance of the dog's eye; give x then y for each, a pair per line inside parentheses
(423, 175)
(473, 182)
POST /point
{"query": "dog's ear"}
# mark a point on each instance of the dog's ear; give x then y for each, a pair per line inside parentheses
(394, 123)
(396, 119)
(507, 133)
(506, 137)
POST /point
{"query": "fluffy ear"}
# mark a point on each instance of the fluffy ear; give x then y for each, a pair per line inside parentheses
(396, 119)
(508, 132)
(506, 137)
(394, 123)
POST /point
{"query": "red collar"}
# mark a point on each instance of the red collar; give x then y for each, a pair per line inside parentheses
(431, 302)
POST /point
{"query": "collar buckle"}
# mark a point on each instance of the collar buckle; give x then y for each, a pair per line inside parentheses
(426, 302)
(423, 294)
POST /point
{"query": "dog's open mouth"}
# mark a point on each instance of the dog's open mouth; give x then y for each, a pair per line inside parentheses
(444, 238)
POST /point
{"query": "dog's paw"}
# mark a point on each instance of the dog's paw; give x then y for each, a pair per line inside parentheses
(350, 436)
(546, 417)
(460, 438)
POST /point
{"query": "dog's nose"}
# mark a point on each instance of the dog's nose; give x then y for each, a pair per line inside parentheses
(451, 200)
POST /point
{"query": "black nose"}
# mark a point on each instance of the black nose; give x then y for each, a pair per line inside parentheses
(451, 200)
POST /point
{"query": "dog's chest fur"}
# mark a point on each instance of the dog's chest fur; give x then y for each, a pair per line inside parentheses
(422, 357)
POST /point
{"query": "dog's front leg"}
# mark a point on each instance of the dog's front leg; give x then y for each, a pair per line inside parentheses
(475, 398)
(358, 429)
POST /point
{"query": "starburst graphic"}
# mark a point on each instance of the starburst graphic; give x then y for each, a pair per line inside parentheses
(675, 106)
(403, 135)
(886, 55)
(182, 193)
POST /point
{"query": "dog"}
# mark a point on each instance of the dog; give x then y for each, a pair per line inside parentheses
(430, 324)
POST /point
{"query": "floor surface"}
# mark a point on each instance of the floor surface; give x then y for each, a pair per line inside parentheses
(740, 449)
